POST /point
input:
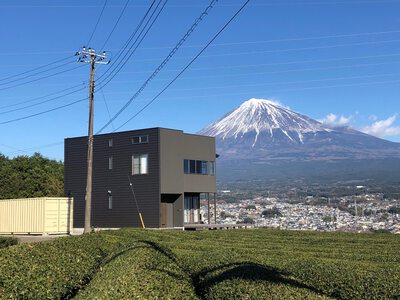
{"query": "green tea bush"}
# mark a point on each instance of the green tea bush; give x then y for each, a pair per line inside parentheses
(55, 269)
(144, 271)
(7, 241)
(226, 264)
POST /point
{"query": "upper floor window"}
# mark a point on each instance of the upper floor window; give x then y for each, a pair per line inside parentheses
(191, 166)
(212, 168)
(109, 199)
(141, 139)
(140, 164)
(110, 142)
(110, 163)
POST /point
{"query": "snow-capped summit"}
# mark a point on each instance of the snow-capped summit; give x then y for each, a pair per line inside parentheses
(256, 116)
(264, 130)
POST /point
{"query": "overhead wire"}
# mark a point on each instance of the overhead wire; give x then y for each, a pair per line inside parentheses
(42, 112)
(52, 109)
(97, 23)
(40, 103)
(37, 73)
(110, 76)
(165, 61)
(126, 44)
(37, 68)
(40, 78)
(41, 97)
(187, 66)
(115, 25)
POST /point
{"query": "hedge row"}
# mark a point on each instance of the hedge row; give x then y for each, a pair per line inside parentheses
(145, 271)
(234, 264)
(56, 269)
(7, 241)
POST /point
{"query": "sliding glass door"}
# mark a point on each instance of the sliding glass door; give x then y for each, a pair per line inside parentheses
(191, 212)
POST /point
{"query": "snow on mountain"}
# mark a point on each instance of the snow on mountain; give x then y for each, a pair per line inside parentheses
(260, 115)
(264, 130)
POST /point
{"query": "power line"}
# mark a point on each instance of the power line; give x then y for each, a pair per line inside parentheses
(276, 72)
(285, 50)
(37, 68)
(42, 102)
(40, 78)
(41, 97)
(130, 52)
(42, 112)
(37, 73)
(125, 45)
(115, 25)
(188, 65)
(106, 104)
(164, 62)
(97, 23)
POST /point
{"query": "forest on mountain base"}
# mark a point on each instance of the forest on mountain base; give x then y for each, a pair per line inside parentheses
(30, 176)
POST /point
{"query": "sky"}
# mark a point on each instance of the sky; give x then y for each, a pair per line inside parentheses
(332, 60)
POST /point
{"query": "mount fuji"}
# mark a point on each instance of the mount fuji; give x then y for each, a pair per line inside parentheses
(263, 133)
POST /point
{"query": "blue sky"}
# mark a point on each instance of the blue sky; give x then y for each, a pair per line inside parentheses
(336, 61)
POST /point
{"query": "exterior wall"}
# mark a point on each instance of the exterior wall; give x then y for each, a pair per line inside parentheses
(175, 146)
(146, 187)
(36, 216)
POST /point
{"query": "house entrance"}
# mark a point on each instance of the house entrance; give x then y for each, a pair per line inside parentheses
(191, 212)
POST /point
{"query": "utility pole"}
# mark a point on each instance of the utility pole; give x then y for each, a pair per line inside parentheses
(89, 56)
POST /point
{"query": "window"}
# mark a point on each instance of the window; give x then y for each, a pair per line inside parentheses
(186, 166)
(109, 199)
(204, 167)
(192, 166)
(195, 166)
(110, 163)
(212, 168)
(141, 139)
(110, 142)
(140, 164)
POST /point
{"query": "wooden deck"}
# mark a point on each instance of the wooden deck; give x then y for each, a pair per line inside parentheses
(215, 226)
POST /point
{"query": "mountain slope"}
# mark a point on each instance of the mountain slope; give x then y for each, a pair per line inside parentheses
(264, 132)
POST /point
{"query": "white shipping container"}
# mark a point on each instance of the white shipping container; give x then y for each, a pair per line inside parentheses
(47, 215)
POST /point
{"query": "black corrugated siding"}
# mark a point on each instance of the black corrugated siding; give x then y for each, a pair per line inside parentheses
(146, 187)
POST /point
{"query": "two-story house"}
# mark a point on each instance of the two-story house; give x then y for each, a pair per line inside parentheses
(169, 170)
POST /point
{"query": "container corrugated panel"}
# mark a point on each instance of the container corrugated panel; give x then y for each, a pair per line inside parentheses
(36, 216)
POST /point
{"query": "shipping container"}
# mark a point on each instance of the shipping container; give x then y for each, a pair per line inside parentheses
(47, 215)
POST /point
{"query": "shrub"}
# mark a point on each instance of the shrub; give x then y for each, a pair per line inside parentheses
(55, 269)
(7, 241)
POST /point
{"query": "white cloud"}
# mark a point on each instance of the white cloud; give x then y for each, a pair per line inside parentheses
(383, 128)
(333, 120)
(373, 118)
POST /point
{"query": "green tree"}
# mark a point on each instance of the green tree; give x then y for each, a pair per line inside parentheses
(30, 176)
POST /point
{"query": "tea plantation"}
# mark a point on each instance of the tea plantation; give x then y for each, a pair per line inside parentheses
(233, 264)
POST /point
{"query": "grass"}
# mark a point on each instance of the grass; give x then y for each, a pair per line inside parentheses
(233, 264)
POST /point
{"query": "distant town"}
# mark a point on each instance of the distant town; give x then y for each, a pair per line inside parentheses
(356, 208)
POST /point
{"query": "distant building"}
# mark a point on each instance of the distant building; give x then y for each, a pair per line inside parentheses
(170, 170)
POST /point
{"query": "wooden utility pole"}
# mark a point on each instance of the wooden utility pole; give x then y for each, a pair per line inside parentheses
(90, 56)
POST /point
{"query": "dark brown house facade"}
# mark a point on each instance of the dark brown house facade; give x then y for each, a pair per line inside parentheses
(169, 170)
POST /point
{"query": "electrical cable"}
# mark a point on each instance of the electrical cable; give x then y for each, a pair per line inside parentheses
(130, 52)
(97, 23)
(42, 112)
(39, 103)
(115, 25)
(37, 68)
(41, 97)
(164, 62)
(40, 78)
(125, 45)
(37, 73)
(186, 67)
